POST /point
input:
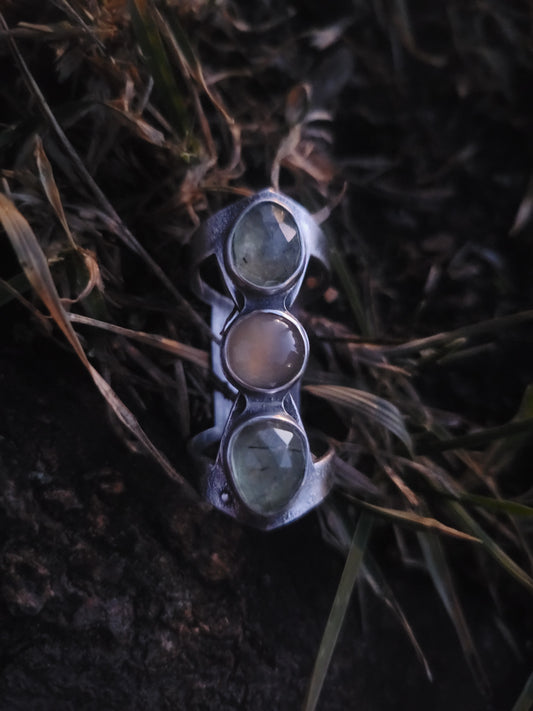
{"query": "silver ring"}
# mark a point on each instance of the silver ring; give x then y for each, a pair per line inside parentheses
(258, 250)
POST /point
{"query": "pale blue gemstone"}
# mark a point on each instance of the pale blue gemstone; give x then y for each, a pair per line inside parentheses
(266, 247)
(268, 461)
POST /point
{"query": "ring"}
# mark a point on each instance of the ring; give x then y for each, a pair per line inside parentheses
(249, 262)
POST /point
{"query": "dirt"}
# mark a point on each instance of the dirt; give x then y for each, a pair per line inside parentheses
(117, 595)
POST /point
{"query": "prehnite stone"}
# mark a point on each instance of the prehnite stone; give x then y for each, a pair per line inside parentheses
(268, 460)
(266, 248)
(264, 351)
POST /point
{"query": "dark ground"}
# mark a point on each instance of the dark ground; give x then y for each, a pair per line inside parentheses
(116, 593)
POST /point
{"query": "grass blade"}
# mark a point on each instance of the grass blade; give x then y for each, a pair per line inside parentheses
(414, 520)
(10, 288)
(182, 350)
(35, 266)
(525, 700)
(377, 581)
(367, 405)
(338, 262)
(158, 63)
(190, 63)
(338, 610)
(440, 574)
(87, 264)
(490, 503)
(491, 546)
(46, 176)
(351, 479)
(480, 438)
(115, 223)
(493, 325)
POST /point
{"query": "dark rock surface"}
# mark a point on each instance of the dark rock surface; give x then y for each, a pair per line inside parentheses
(117, 595)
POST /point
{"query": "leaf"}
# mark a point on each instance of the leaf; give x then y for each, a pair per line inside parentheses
(525, 700)
(338, 610)
(35, 266)
(414, 520)
(440, 573)
(367, 405)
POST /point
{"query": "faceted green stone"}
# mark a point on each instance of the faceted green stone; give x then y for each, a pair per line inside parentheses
(264, 350)
(268, 460)
(266, 247)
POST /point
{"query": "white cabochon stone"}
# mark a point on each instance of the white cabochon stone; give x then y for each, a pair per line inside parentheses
(264, 351)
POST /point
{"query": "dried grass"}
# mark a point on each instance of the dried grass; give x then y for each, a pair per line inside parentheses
(134, 121)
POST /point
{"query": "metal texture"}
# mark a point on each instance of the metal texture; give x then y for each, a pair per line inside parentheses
(213, 239)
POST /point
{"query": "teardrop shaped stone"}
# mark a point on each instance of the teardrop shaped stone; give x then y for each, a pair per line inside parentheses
(267, 460)
(266, 247)
(263, 350)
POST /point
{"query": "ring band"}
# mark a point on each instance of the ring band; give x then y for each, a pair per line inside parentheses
(264, 472)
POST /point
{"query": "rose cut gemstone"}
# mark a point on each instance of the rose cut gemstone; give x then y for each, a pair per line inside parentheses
(264, 351)
(267, 459)
(266, 247)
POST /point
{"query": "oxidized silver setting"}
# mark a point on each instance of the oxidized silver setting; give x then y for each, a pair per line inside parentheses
(264, 473)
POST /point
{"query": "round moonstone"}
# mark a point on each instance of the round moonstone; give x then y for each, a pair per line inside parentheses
(267, 460)
(266, 247)
(264, 351)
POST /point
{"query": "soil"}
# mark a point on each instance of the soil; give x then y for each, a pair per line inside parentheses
(116, 594)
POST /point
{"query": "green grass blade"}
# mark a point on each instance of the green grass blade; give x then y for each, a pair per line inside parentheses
(414, 520)
(367, 405)
(158, 63)
(525, 700)
(489, 503)
(338, 262)
(440, 574)
(492, 547)
(479, 439)
(190, 63)
(338, 610)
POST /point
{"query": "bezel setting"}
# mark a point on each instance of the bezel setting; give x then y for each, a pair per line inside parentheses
(233, 268)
